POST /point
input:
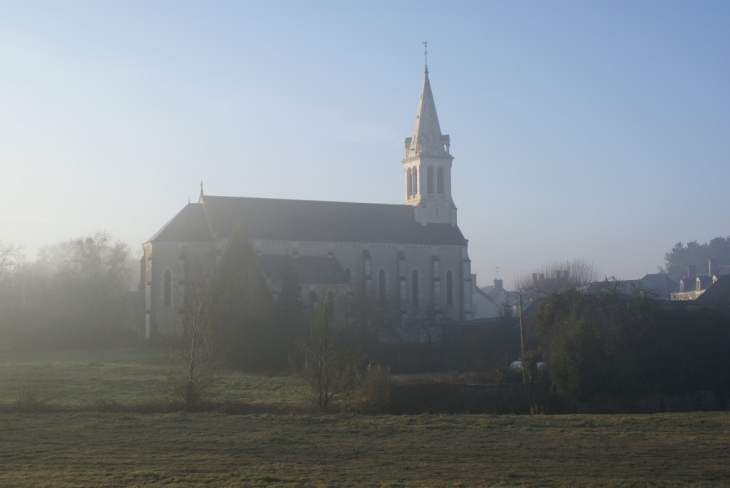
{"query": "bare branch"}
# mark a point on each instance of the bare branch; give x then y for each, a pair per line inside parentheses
(192, 361)
(557, 276)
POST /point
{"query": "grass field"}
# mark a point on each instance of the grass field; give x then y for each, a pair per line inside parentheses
(178, 449)
(125, 376)
(86, 449)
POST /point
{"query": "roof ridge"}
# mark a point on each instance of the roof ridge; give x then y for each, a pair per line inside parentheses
(400, 205)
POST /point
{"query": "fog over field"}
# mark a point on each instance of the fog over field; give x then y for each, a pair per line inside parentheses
(596, 131)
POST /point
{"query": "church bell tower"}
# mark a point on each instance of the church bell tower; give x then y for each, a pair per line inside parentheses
(427, 165)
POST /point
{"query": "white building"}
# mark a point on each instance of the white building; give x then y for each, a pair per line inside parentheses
(413, 253)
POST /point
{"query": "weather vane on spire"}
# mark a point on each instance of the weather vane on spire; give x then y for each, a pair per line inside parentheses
(425, 53)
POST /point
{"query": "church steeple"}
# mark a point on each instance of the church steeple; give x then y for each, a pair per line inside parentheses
(427, 165)
(427, 136)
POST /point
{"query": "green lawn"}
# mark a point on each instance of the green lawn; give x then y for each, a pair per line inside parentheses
(87, 449)
(125, 376)
(84, 448)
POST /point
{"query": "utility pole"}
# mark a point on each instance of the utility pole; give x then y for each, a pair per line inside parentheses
(522, 343)
(522, 334)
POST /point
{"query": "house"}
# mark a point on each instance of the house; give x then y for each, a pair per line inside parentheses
(489, 301)
(692, 286)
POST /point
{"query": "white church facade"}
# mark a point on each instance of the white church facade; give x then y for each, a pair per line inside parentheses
(412, 253)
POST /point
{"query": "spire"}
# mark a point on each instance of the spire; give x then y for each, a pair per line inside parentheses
(200, 198)
(427, 136)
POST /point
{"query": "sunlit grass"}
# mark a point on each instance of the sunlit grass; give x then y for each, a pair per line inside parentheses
(178, 449)
(124, 376)
(86, 449)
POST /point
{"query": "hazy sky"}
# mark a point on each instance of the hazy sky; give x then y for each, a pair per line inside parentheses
(595, 130)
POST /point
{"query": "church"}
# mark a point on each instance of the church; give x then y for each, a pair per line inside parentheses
(412, 253)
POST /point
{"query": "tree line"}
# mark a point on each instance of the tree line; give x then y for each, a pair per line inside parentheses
(693, 253)
(76, 294)
(627, 343)
(608, 340)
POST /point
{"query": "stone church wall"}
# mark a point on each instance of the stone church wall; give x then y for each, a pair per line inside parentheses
(183, 261)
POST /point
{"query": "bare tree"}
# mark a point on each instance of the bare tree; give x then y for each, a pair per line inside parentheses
(10, 258)
(10, 262)
(91, 275)
(192, 361)
(423, 325)
(557, 276)
(328, 361)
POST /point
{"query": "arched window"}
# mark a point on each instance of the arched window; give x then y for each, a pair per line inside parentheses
(409, 183)
(440, 180)
(429, 179)
(449, 289)
(414, 287)
(348, 274)
(415, 181)
(167, 287)
(381, 286)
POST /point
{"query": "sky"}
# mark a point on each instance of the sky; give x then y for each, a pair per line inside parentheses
(590, 130)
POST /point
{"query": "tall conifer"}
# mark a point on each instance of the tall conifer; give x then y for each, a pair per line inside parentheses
(244, 307)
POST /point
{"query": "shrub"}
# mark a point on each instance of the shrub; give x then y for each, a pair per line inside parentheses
(372, 395)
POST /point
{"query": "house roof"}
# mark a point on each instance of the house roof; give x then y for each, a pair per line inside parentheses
(718, 292)
(486, 295)
(723, 271)
(305, 220)
(659, 282)
(311, 270)
(705, 281)
(531, 308)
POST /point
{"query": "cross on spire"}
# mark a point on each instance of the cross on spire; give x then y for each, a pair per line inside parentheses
(425, 54)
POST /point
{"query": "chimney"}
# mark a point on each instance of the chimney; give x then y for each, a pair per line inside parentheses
(534, 279)
(711, 267)
(691, 271)
(498, 284)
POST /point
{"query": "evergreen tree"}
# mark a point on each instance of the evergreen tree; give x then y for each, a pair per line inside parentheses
(693, 253)
(290, 311)
(244, 307)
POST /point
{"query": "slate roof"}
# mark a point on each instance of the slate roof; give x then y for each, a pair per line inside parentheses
(718, 292)
(305, 220)
(319, 270)
(705, 281)
(723, 271)
(531, 309)
(659, 284)
(188, 225)
(486, 295)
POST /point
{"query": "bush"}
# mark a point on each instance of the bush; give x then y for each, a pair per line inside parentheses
(372, 395)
